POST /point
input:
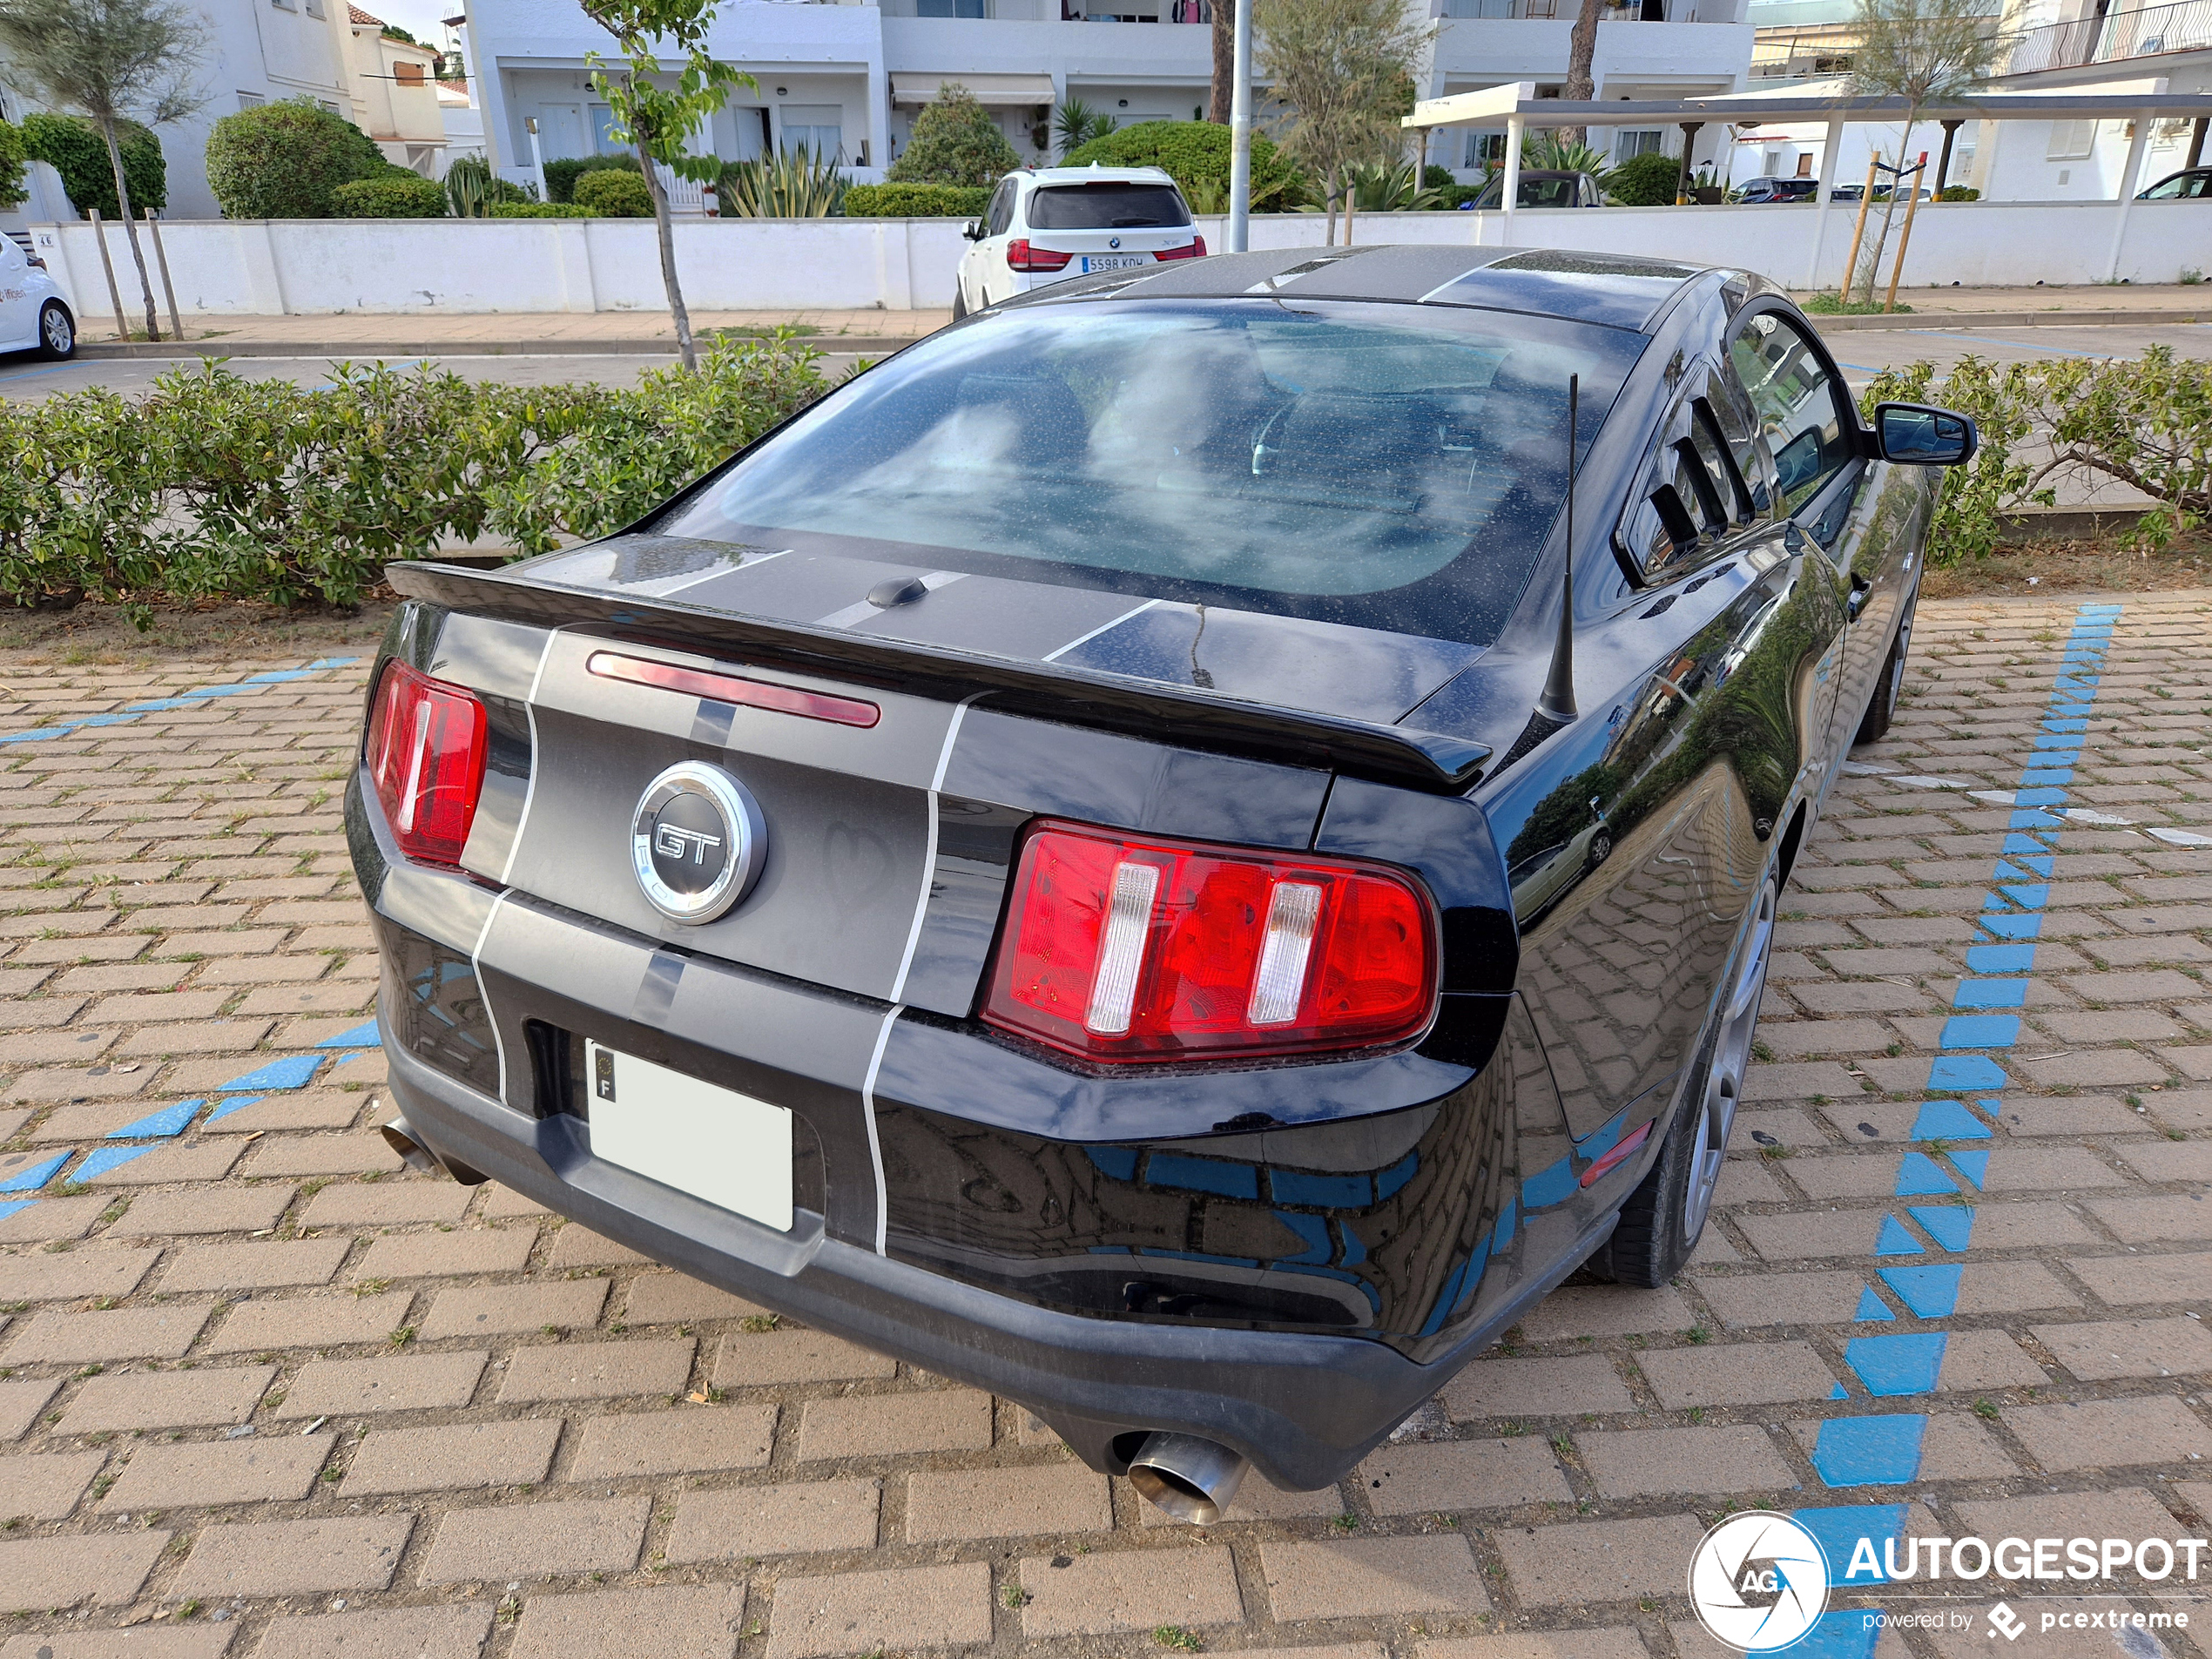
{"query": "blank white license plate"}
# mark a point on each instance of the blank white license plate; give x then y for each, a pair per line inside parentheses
(716, 1144)
(1113, 261)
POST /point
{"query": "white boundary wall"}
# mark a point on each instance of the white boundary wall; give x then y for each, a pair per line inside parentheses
(428, 266)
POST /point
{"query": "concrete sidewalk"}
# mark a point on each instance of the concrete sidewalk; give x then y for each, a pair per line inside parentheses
(634, 332)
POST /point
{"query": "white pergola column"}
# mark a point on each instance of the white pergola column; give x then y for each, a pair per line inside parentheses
(2130, 181)
(1510, 195)
(1832, 158)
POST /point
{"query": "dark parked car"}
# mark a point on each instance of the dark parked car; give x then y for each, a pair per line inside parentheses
(2189, 183)
(1780, 190)
(1542, 188)
(1114, 859)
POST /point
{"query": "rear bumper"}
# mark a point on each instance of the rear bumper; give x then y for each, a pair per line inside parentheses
(1304, 1409)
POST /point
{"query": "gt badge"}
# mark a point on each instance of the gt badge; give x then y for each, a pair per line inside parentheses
(696, 842)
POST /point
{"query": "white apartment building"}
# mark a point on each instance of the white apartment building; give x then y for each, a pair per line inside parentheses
(849, 79)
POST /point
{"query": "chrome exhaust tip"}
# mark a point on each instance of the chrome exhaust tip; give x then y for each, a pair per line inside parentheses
(400, 1136)
(1193, 1479)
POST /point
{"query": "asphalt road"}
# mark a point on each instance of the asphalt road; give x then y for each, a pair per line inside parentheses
(1863, 354)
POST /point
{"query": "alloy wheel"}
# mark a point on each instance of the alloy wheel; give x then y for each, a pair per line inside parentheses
(1731, 1059)
(59, 335)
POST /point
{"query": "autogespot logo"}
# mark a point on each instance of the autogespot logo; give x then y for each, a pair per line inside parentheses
(1759, 1582)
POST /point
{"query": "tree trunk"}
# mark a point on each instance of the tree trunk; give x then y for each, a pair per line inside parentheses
(1224, 61)
(665, 235)
(1581, 49)
(130, 225)
(1889, 210)
(1329, 196)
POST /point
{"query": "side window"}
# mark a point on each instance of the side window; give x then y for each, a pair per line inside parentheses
(1799, 404)
(1695, 492)
(1000, 215)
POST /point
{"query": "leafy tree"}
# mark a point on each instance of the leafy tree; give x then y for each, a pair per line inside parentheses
(954, 142)
(282, 161)
(11, 159)
(1196, 155)
(72, 147)
(1925, 51)
(106, 59)
(1344, 68)
(658, 119)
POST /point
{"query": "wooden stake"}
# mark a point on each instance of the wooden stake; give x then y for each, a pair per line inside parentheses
(99, 235)
(1905, 237)
(1859, 231)
(169, 288)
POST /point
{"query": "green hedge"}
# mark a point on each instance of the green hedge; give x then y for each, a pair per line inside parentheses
(214, 485)
(615, 195)
(72, 146)
(561, 176)
(11, 160)
(1196, 154)
(537, 210)
(916, 201)
(406, 197)
(283, 160)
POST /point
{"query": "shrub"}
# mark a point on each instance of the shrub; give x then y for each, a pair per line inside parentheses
(537, 210)
(916, 201)
(1648, 181)
(1196, 155)
(72, 146)
(214, 485)
(561, 176)
(954, 142)
(11, 160)
(472, 190)
(1959, 194)
(615, 195)
(406, 197)
(792, 184)
(282, 161)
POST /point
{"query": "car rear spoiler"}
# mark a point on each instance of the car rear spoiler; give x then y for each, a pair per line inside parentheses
(1426, 760)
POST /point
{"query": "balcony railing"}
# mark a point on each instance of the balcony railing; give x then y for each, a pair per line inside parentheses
(2114, 37)
(1803, 54)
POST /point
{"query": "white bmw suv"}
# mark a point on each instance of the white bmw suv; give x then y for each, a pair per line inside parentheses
(1060, 222)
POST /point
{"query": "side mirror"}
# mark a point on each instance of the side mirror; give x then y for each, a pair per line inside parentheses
(1917, 435)
(972, 230)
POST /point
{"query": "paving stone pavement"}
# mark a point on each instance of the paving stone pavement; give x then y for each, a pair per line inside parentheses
(265, 1394)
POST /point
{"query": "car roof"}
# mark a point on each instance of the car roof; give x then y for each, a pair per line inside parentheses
(1046, 176)
(1616, 290)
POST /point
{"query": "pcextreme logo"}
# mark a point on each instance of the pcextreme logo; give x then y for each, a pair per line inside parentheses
(1759, 1582)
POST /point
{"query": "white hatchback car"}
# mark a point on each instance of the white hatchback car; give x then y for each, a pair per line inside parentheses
(1059, 222)
(33, 314)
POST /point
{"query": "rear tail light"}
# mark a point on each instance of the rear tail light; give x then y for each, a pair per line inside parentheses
(1022, 257)
(426, 758)
(1196, 251)
(1118, 949)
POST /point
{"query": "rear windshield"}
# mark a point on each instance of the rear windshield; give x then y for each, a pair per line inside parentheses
(1105, 207)
(1388, 466)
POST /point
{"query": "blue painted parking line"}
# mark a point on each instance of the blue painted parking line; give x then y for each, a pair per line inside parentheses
(291, 1072)
(35, 1175)
(170, 1120)
(237, 1103)
(101, 1159)
(191, 700)
(2016, 345)
(1870, 1452)
(11, 1208)
(361, 1036)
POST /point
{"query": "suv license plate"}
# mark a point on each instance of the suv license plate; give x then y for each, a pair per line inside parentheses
(729, 1149)
(1113, 261)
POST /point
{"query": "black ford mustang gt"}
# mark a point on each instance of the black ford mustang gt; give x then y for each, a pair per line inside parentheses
(1180, 851)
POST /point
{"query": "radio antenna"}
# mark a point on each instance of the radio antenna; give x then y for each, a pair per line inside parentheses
(1557, 703)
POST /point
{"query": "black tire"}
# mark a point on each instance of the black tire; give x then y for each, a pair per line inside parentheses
(1664, 1217)
(960, 303)
(57, 333)
(1881, 708)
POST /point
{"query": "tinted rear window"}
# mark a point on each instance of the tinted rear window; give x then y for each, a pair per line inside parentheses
(1388, 466)
(1105, 207)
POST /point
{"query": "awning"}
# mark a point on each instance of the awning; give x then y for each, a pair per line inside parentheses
(1496, 106)
(995, 91)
